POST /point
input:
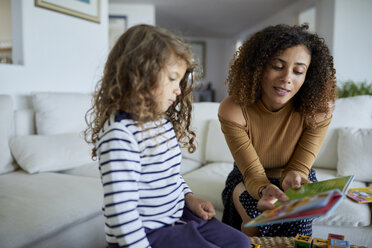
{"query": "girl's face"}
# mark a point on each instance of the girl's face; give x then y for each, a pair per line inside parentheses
(168, 84)
(283, 76)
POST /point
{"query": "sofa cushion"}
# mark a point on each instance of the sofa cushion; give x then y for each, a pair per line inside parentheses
(24, 122)
(355, 153)
(86, 170)
(57, 113)
(349, 112)
(6, 131)
(202, 112)
(41, 153)
(36, 207)
(347, 213)
(208, 182)
(216, 147)
(188, 165)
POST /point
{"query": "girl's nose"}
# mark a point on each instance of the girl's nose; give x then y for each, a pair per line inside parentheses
(177, 90)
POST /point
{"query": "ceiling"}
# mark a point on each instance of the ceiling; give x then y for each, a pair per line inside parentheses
(211, 18)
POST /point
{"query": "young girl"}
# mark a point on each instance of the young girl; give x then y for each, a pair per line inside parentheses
(142, 109)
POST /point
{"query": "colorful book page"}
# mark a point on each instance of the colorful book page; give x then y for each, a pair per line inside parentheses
(310, 201)
(289, 212)
(310, 189)
(360, 195)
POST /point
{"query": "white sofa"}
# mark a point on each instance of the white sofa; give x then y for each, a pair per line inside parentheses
(50, 191)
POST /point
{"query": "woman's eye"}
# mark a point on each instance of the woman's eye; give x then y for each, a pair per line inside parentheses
(298, 72)
(276, 67)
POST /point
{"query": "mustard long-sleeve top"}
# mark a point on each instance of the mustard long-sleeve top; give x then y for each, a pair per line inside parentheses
(272, 144)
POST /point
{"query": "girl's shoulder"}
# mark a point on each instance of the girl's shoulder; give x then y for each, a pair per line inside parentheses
(123, 120)
(119, 122)
(121, 115)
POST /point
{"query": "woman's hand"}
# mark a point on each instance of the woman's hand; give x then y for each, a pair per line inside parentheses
(270, 195)
(293, 180)
(201, 208)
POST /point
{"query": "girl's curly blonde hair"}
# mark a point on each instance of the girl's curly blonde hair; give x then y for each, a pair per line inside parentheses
(248, 65)
(130, 76)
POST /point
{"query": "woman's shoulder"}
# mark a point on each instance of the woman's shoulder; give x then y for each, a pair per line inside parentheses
(231, 111)
(324, 118)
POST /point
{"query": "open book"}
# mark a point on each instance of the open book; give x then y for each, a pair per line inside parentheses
(311, 200)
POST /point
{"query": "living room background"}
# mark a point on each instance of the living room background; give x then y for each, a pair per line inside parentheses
(59, 53)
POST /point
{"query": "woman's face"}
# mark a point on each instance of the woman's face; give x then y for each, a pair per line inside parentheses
(283, 76)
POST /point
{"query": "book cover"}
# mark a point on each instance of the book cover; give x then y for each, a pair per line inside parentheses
(360, 195)
(311, 200)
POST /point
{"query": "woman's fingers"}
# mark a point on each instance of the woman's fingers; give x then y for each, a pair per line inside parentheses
(294, 180)
(273, 192)
(270, 195)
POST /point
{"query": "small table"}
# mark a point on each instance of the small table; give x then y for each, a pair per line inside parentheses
(280, 242)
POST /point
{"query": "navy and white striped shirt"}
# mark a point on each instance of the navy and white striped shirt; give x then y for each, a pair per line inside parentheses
(140, 173)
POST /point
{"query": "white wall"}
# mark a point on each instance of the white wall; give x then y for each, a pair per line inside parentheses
(290, 16)
(353, 40)
(287, 16)
(220, 51)
(135, 13)
(60, 53)
(346, 27)
(217, 60)
(325, 12)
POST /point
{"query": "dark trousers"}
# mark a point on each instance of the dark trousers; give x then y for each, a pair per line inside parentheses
(197, 233)
(193, 232)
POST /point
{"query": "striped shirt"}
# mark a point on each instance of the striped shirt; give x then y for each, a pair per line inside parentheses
(140, 173)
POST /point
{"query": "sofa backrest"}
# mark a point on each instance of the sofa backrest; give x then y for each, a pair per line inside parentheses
(58, 121)
(216, 146)
(349, 112)
(24, 122)
(57, 113)
(202, 113)
(353, 112)
(6, 132)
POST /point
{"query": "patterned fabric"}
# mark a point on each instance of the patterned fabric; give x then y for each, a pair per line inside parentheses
(232, 217)
(142, 185)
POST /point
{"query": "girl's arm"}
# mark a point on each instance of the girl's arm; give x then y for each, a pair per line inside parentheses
(120, 173)
(201, 208)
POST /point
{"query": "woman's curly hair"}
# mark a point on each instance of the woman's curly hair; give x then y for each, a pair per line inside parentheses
(130, 76)
(318, 92)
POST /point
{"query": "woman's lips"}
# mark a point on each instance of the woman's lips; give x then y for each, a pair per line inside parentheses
(281, 91)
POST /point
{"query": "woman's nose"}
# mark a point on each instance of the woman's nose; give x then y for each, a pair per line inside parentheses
(286, 76)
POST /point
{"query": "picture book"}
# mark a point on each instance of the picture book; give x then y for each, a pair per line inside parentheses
(360, 195)
(311, 200)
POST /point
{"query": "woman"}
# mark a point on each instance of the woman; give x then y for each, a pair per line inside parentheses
(282, 88)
